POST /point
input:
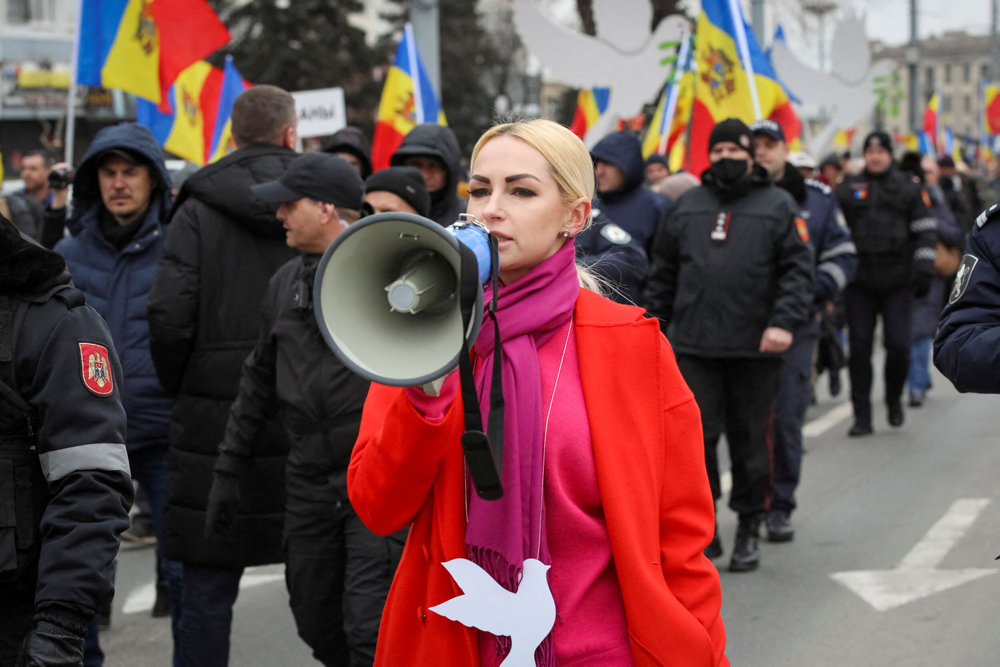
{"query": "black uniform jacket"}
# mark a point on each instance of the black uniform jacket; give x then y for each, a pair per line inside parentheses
(725, 270)
(223, 246)
(66, 369)
(892, 228)
(293, 375)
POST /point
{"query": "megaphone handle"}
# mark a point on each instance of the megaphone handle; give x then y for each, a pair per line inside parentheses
(484, 466)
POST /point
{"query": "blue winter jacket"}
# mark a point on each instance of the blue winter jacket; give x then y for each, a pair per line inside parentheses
(633, 207)
(117, 283)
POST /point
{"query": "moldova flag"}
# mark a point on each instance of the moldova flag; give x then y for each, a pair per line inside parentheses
(670, 121)
(142, 46)
(931, 120)
(403, 105)
(187, 131)
(233, 84)
(991, 108)
(590, 105)
(732, 70)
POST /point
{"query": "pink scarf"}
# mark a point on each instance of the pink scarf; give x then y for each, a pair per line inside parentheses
(502, 533)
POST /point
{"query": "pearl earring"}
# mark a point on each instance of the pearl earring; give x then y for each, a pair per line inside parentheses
(565, 233)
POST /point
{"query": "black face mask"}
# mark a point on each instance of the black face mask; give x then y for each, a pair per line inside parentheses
(728, 171)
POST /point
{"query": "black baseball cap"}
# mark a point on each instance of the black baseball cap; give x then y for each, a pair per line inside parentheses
(768, 128)
(320, 176)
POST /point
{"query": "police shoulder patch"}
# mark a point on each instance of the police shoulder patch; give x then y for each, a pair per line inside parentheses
(988, 215)
(96, 369)
(963, 277)
(615, 234)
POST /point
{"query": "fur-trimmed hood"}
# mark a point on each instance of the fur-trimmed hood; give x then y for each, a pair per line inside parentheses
(27, 268)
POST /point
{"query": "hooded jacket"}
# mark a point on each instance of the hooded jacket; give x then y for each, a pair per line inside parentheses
(440, 142)
(117, 282)
(351, 140)
(726, 268)
(633, 207)
(223, 246)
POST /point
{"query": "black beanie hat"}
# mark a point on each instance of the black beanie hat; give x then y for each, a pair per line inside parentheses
(734, 130)
(405, 182)
(878, 138)
(656, 158)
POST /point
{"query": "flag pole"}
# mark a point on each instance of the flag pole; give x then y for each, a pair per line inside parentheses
(74, 63)
(411, 55)
(670, 110)
(740, 32)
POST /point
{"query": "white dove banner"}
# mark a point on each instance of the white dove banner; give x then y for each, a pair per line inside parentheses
(847, 92)
(624, 56)
(526, 616)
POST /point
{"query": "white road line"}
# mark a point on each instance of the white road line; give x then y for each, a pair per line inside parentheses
(821, 425)
(140, 599)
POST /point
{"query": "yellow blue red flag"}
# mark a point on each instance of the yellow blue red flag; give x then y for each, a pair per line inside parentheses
(670, 121)
(590, 105)
(408, 100)
(187, 132)
(931, 121)
(735, 79)
(142, 46)
(222, 136)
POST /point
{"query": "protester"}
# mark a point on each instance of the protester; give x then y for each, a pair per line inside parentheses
(731, 280)
(834, 262)
(66, 488)
(397, 189)
(968, 337)
(35, 168)
(657, 168)
(895, 237)
(927, 310)
(121, 199)
(223, 245)
(352, 145)
(433, 149)
(337, 571)
(619, 169)
(610, 512)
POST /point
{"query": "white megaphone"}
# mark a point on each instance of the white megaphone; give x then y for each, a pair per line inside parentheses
(388, 295)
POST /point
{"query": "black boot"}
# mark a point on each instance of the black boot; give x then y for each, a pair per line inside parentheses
(162, 606)
(746, 554)
(895, 412)
(714, 548)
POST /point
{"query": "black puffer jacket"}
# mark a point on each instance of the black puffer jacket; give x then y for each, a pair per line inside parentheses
(223, 246)
(719, 294)
(440, 142)
(893, 230)
(292, 375)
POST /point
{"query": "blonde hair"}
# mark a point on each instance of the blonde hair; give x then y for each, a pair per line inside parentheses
(569, 160)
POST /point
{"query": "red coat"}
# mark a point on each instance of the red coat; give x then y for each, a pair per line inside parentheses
(648, 446)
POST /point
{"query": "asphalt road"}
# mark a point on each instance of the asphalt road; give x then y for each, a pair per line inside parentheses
(892, 561)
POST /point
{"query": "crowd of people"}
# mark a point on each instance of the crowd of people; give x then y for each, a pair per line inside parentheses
(708, 302)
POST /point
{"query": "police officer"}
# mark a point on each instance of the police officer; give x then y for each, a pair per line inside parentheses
(732, 279)
(835, 260)
(967, 345)
(337, 571)
(64, 473)
(895, 236)
(615, 256)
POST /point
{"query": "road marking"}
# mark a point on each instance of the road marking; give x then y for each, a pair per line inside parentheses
(140, 599)
(916, 575)
(821, 425)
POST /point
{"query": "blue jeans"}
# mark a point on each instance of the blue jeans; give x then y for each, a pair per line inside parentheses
(919, 378)
(206, 615)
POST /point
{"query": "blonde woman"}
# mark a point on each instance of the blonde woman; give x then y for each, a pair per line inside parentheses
(603, 463)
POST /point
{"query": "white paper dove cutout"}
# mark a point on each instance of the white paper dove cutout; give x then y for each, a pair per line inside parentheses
(624, 56)
(526, 616)
(848, 91)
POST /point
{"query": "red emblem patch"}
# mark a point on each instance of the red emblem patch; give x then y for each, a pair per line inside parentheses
(96, 369)
(802, 228)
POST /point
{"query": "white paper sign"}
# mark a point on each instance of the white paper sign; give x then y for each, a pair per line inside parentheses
(321, 112)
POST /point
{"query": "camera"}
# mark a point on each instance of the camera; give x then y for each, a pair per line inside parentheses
(61, 178)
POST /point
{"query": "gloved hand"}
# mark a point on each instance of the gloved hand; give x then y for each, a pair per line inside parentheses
(224, 497)
(922, 284)
(50, 645)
